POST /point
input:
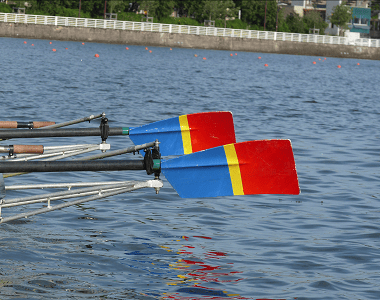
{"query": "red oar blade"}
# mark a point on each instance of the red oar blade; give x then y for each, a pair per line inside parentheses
(188, 133)
(255, 167)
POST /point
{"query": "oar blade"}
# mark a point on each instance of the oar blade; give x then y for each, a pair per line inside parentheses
(254, 167)
(188, 133)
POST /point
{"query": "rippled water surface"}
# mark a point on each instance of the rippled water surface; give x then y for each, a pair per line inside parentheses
(322, 244)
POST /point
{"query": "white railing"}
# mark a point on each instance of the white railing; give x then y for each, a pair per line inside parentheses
(184, 29)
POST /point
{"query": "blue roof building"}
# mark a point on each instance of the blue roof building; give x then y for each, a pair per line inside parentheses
(361, 18)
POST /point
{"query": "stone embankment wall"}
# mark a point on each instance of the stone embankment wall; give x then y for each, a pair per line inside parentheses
(49, 32)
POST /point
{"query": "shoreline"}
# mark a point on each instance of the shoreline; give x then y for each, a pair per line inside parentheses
(143, 38)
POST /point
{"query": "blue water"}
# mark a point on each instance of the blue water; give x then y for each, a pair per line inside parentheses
(322, 244)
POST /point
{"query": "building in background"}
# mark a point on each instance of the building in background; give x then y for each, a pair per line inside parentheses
(359, 26)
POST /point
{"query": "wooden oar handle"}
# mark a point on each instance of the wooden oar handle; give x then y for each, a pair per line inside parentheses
(42, 124)
(8, 124)
(30, 149)
(15, 124)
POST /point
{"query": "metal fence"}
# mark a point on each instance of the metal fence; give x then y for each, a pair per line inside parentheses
(184, 29)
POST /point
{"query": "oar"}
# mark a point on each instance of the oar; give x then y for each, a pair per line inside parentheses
(25, 149)
(179, 135)
(255, 167)
(84, 119)
(30, 125)
(46, 124)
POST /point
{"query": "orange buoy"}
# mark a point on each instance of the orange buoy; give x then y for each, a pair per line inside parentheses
(171, 49)
(146, 48)
(96, 55)
(24, 42)
(266, 65)
(54, 50)
(50, 43)
(195, 55)
(325, 58)
(126, 48)
(82, 43)
(204, 58)
(314, 63)
(231, 54)
(235, 53)
(319, 58)
(358, 64)
(66, 48)
(259, 57)
(339, 66)
(150, 51)
(32, 44)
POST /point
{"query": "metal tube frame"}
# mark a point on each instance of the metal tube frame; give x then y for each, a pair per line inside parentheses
(156, 184)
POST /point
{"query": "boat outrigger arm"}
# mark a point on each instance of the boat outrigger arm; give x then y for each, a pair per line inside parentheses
(87, 191)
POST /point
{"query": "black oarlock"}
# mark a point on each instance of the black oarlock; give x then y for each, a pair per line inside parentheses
(104, 129)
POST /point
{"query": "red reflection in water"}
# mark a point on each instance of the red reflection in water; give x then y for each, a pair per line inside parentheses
(198, 272)
(215, 255)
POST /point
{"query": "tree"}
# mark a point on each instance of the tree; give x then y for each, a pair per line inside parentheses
(375, 5)
(341, 15)
(164, 9)
(217, 9)
(184, 6)
(149, 6)
(313, 19)
(116, 5)
(157, 8)
(195, 8)
(296, 24)
(253, 13)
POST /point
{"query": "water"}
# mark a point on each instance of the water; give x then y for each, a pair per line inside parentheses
(322, 244)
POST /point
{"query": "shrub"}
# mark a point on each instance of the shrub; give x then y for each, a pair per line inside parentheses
(5, 8)
(180, 21)
(129, 16)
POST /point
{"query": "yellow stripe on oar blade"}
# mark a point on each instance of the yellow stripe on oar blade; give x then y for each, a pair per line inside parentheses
(233, 166)
(186, 138)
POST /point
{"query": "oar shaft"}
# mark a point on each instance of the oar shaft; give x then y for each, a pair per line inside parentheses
(8, 134)
(92, 117)
(71, 166)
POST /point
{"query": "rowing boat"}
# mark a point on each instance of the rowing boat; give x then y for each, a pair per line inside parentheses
(196, 153)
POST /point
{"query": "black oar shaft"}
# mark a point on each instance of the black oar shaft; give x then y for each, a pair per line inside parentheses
(71, 166)
(10, 134)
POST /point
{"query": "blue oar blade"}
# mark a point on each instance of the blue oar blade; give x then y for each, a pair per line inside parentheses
(198, 175)
(168, 132)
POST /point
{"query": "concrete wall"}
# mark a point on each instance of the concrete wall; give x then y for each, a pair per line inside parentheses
(126, 37)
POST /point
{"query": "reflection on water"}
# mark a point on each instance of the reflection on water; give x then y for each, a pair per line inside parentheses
(196, 275)
(322, 244)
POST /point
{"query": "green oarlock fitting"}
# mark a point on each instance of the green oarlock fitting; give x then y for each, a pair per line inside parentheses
(125, 131)
(156, 164)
